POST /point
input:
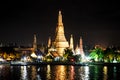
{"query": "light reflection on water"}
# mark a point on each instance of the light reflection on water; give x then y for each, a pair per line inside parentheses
(48, 72)
(24, 73)
(59, 72)
(105, 73)
(71, 73)
(82, 73)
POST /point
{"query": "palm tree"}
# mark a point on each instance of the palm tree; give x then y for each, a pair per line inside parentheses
(110, 54)
(97, 54)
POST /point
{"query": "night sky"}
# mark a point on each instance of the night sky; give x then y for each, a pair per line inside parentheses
(97, 21)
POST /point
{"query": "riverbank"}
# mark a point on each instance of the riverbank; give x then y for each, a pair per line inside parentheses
(19, 63)
(105, 64)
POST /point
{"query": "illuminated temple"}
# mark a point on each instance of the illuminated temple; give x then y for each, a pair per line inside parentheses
(60, 42)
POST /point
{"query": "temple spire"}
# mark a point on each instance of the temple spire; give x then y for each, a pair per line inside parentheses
(71, 42)
(60, 41)
(49, 42)
(81, 49)
(81, 45)
(60, 19)
(77, 50)
(35, 43)
(60, 30)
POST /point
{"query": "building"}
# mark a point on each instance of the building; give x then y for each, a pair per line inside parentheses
(60, 42)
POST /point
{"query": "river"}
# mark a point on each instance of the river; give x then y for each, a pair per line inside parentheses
(59, 72)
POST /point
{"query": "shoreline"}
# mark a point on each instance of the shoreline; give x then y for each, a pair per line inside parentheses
(58, 63)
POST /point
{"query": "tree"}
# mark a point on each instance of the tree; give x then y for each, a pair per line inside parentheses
(109, 54)
(97, 54)
(112, 54)
(68, 55)
(77, 58)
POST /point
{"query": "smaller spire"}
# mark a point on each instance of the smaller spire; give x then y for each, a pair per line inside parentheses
(77, 50)
(59, 12)
(49, 42)
(35, 43)
(81, 49)
(71, 42)
(81, 43)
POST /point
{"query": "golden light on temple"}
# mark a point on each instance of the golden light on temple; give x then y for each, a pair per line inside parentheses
(60, 41)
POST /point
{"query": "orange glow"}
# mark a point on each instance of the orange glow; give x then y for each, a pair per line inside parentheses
(71, 73)
(60, 73)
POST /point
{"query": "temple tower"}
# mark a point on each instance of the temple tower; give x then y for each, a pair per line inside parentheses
(60, 41)
(81, 48)
(49, 42)
(71, 42)
(77, 50)
(34, 43)
(33, 54)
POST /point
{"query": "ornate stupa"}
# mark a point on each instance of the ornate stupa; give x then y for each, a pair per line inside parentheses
(60, 41)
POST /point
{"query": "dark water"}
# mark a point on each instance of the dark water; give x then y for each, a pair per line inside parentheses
(59, 72)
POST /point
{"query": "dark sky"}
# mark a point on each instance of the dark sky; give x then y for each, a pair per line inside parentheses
(97, 21)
